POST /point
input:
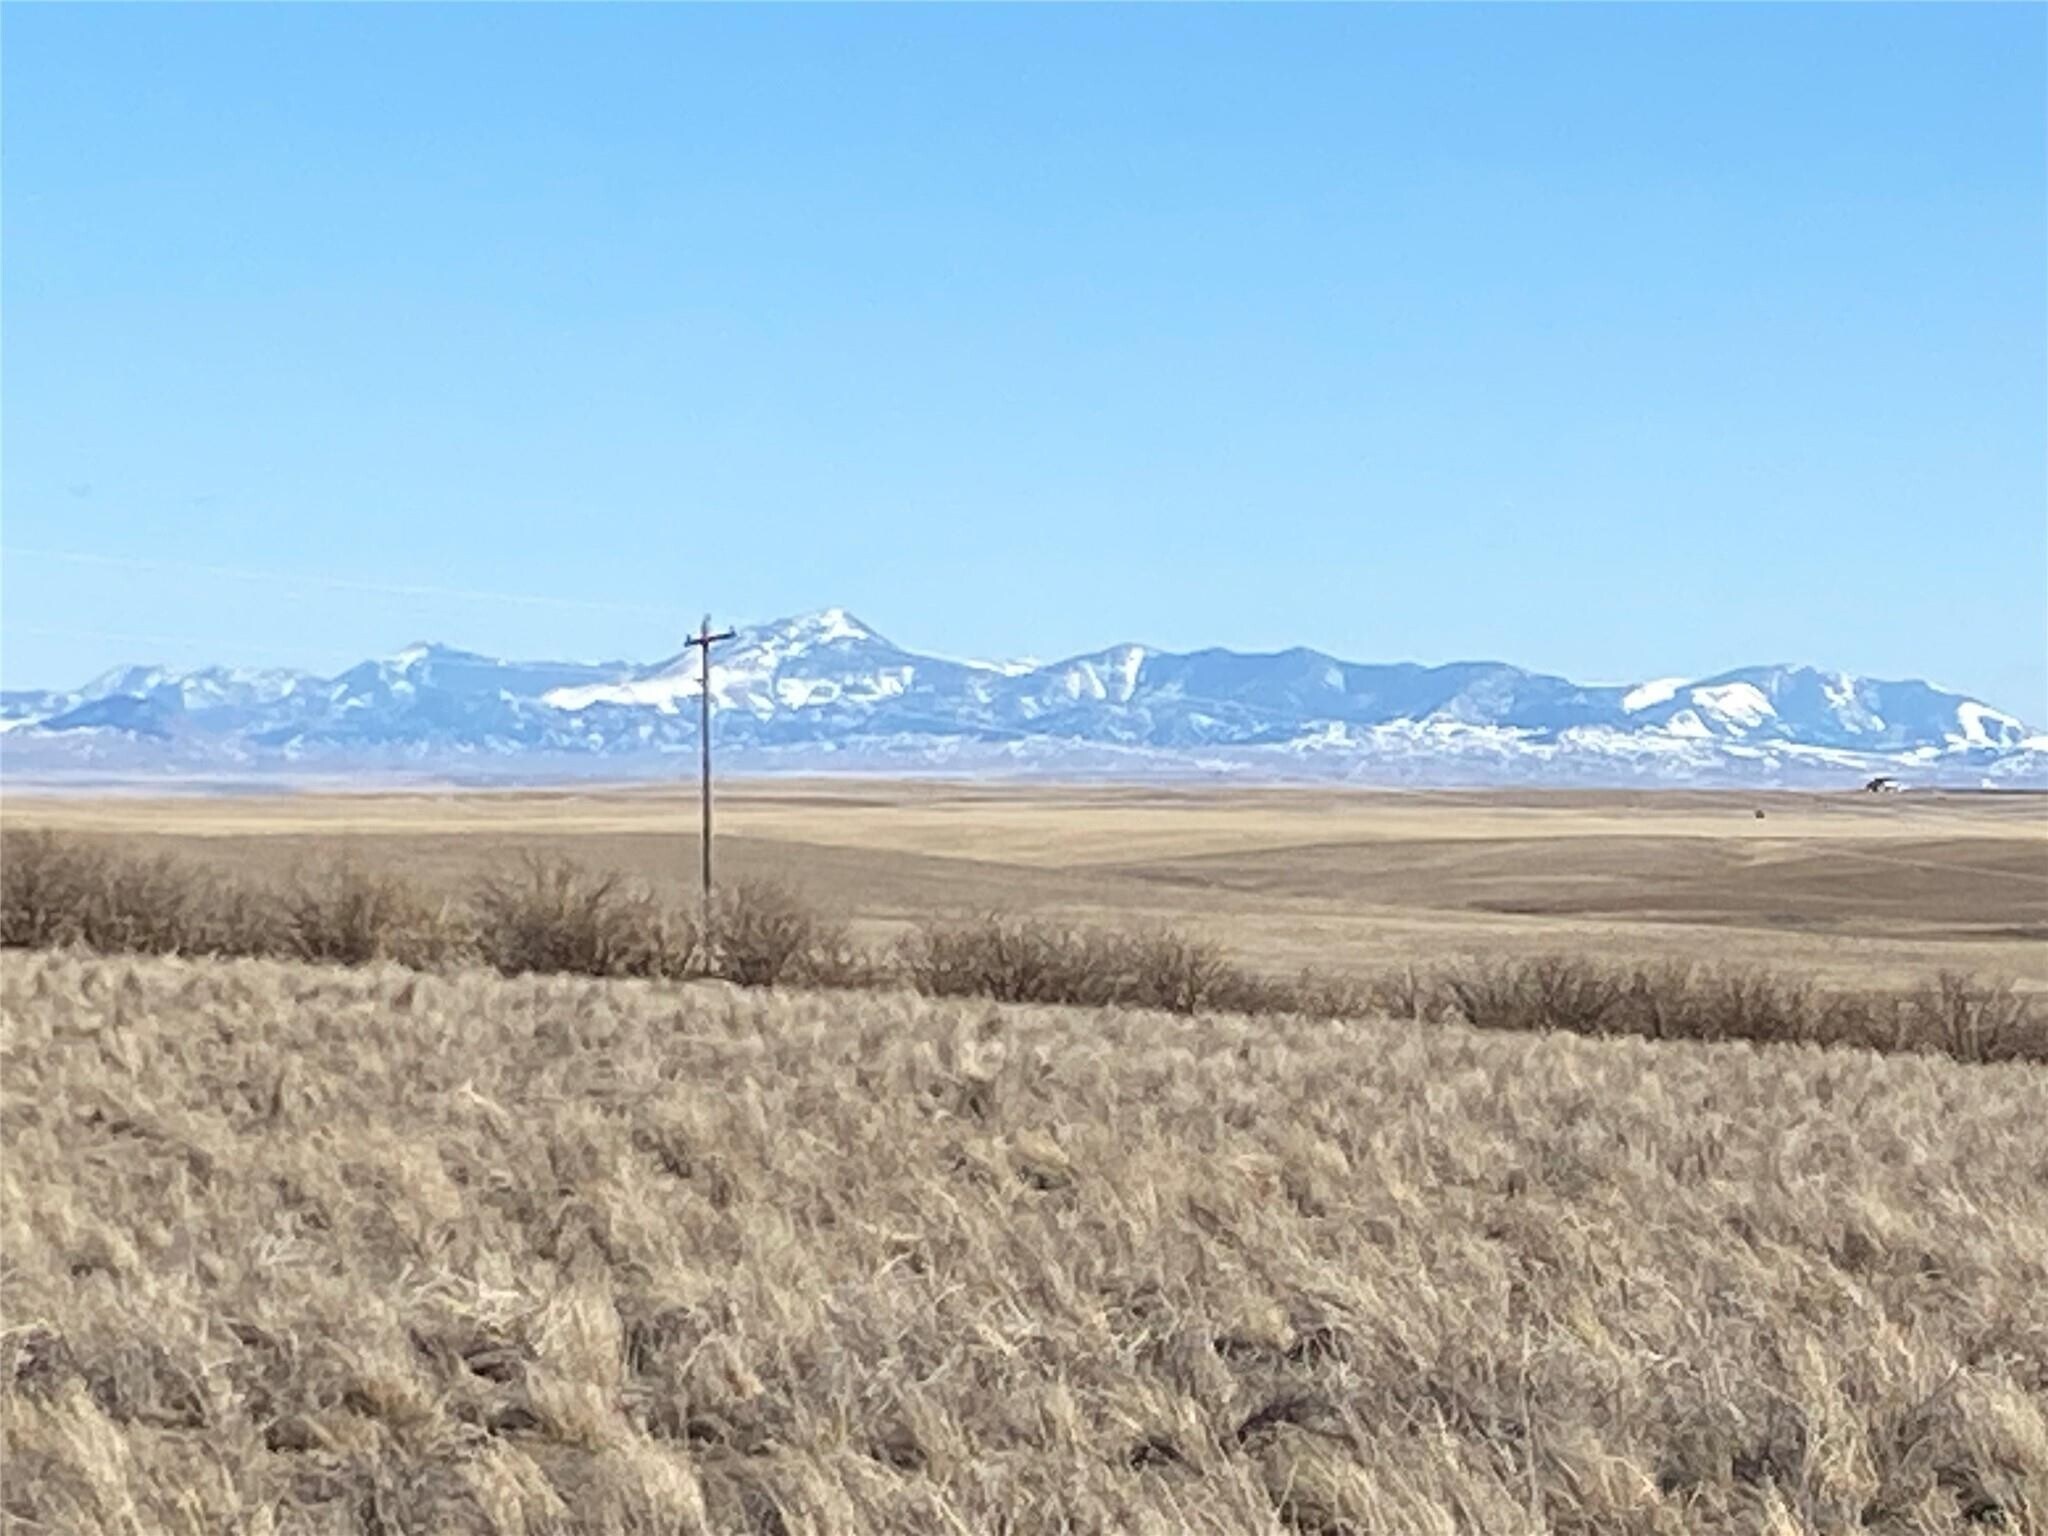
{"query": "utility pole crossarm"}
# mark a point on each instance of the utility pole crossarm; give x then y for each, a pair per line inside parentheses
(704, 639)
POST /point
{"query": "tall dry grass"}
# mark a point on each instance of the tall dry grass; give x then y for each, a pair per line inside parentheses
(303, 1249)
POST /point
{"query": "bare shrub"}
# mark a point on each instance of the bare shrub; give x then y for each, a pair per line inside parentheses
(48, 885)
(1010, 959)
(1404, 993)
(1545, 993)
(1033, 960)
(1674, 1001)
(347, 915)
(57, 891)
(553, 915)
(1954, 1015)
(1683, 1002)
(211, 913)
(764, 933)
(1171, 971)
(834, 960)
(152, 905)
(1976, 1021)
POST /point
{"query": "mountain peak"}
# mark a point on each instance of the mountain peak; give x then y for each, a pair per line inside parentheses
(825, 625)
(431, 650)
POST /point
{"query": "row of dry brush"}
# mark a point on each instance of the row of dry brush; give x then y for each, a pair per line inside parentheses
(552, 916)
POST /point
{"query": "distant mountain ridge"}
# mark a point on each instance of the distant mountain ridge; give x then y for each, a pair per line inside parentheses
(823, 690)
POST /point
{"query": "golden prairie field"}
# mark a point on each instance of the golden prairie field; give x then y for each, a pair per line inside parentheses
(289, 1248)
(292, 1249)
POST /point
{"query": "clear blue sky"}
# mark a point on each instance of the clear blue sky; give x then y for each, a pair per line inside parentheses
(1612, 341)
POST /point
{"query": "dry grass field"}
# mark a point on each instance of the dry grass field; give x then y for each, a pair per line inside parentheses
(1856, 889)
(292, 1249)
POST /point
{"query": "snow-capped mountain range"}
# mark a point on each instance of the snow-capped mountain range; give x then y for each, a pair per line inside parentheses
(824, 691)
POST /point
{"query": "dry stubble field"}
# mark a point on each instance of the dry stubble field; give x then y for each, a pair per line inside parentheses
(300, 1249)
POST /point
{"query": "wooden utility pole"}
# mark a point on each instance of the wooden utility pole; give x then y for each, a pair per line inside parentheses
(704, 639)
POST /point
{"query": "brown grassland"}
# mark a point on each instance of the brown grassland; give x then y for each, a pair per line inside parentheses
(299, 1247)
(295, 1248)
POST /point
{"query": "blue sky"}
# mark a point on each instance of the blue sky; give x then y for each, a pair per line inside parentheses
(1614, 341)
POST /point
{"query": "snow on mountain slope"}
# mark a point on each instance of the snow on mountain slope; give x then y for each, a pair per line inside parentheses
(1831, 709)
(1979, 725)
(808, 662)
(1644, 695)
(206, 688)
(1737, 708)
(824, 689)
(26, 706)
